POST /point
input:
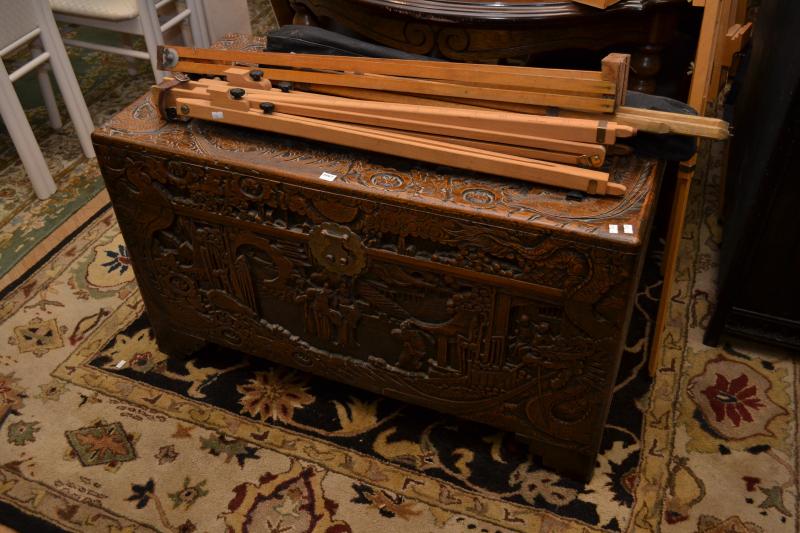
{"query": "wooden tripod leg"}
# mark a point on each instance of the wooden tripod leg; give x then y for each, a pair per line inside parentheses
(674, 236)
(365, 138)
(586, 161)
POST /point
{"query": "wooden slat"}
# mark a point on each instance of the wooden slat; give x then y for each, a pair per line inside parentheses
(381, 96)
(615, 69)
(706, 45)
(574, 87)
(675, 123)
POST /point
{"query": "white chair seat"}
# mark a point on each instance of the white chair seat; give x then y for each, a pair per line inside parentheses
(150, 19)
(99, 9)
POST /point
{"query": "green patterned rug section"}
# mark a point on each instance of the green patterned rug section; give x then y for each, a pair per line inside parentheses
(108, 83)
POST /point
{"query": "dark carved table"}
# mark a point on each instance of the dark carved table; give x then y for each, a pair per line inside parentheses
(484, 30)
(500, 301)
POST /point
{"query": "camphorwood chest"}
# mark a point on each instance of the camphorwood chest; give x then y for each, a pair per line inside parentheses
(498, 301)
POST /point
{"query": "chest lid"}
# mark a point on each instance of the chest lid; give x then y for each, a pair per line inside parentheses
(614, 221)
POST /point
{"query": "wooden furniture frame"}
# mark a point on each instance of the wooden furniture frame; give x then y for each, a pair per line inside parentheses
(491, 31)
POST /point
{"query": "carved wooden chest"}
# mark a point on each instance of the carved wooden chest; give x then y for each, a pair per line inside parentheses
(502, 302)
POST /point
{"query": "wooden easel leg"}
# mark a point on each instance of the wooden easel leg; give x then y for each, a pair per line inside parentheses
(674, 235)
(701, 78)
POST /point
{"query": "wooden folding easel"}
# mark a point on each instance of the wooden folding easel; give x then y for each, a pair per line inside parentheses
(393, 128)
(548, 126)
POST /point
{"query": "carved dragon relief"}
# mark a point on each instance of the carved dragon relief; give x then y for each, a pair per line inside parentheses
(376, 295)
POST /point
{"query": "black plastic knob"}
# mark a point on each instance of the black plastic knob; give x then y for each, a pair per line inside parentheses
(236, 93)
(285, 86)
(256, 75)
(267, 107)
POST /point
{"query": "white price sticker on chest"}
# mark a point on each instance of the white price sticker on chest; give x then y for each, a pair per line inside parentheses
(327, 176)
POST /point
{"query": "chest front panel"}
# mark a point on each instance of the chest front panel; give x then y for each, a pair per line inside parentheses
(517, 328)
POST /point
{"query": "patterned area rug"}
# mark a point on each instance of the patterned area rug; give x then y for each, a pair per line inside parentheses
(101, 432)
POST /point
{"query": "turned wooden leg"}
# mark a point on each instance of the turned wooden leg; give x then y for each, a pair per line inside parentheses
(303, 16)
(645, 66)
(646, 61)
(176, 343)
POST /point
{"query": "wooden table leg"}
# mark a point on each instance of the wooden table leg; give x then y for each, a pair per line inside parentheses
(283, 11)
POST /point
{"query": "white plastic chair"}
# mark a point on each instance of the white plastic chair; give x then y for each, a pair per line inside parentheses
(134, 17)
(30, 23)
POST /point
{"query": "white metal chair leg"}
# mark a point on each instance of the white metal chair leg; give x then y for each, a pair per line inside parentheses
(151, 28)
(67, 83)
(24, 141)
(198, 23)
(46, 88)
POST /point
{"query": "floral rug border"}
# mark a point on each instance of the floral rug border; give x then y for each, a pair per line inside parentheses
(660, 418)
